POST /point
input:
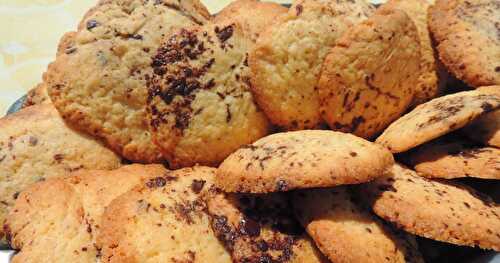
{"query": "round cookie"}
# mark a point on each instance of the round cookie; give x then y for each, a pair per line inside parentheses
(37, 95)
(368, 79)
(254, 16)
(58, 220)
(443, 211)
(341, 229)
(36, 144)
(430, 85)
(438, 117)
(98, 81)
(466, 34)
(485, 129)
(200, 104)
(287, 58)
(260, 228)
(302, 159)
(448, 158)
(163, 220)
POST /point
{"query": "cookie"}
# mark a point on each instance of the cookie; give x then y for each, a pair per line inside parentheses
(200, 104)
(287, 58)
(59, 219)
(467, 39)
(438, 117)
(359, 94)
(485, 129)
(439, 210)
(430, 85)
(450, 158)
(254, 16)
(302, 159)
(260, 228)
(341, 229)
(36, 144)
(164, 220)
(98, 81)
(37, 95)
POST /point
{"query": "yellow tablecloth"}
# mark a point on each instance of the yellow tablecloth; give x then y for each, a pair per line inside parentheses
(29, 33)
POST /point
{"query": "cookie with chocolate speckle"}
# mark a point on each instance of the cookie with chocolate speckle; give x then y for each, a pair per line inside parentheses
(302, 159)
(368, 79)
(254, 16)
(438, 117)
(454, 158)
(37, 95)
(200, 105)
(485, 129)
(260, 228)
(347, 232)
(98, 81)
(36, 144)
(59, 219)
(287, 58)
(162, 220)
(439, 210)
(431, 82)
(467, 38)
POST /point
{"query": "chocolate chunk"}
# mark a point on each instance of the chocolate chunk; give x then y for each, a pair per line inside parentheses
(156, 182)
(249, 227)
(197, 186)
(92, 24)
(225, 33)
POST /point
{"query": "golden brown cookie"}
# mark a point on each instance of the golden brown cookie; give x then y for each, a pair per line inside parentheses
(254, 16)
(302, 159)
(368, 79)
(485, 129)
(454, 158)
(430, 85)
(59, 219)
(36, 144)
(163, 220)
(287, 59)
(438, 117)
(260, 228)
(466, 34)
(342, 229)
(439, 210)
(98, 81)
(37, 95)
(200, 104)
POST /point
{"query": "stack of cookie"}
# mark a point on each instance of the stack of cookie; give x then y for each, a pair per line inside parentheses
(320, 133)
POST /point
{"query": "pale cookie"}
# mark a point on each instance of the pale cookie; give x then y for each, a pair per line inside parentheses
(164, 220)
(453, 158)
(302, 159)
(438, 210)
(200, 104)
(429, 83)
(368, 79)
(36, 144)
(466, 34)
(58, 220)
(98, 81)
(438, 117)
(37, 95)
(485, 129)
(347, 232)
(287, 58)
(254, 16)
(261, 228)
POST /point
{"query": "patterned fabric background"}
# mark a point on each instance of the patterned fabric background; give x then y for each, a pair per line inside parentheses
(30, 31)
